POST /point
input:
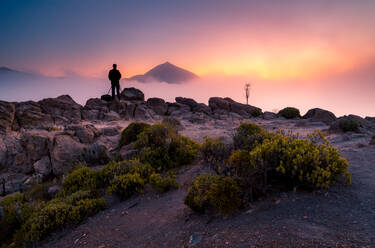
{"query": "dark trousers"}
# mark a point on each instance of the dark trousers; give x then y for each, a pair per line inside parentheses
(115, 86)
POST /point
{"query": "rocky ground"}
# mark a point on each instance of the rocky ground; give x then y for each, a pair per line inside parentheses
(42, 140)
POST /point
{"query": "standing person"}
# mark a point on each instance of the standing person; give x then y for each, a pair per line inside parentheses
(114, 76)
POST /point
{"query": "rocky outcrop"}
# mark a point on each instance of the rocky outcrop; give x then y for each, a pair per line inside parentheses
(194, 106)
(7, 113)
(368, 118)
(222, 105)
(65, 152)
(132, 94)
(62, 109)
(121, 108)
(321, 115)
(158, 105)
(43, 166)
(269, 115)
(176, 109)
(85, 133)
(95, 109)
(30, 115)
(364, 125)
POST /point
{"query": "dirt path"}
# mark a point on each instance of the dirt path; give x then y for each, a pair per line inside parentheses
(343, 216)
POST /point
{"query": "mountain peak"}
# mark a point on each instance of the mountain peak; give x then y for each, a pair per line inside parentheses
(4, 68)
(166, 72)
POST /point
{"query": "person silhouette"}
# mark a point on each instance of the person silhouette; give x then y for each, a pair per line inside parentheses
(114, 76)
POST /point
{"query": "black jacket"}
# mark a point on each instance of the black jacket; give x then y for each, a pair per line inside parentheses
(114, 75)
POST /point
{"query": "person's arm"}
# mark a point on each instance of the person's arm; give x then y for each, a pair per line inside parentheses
(109, 75)
(119, 75)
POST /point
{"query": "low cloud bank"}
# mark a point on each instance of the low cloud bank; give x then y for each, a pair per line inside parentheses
(339, 95)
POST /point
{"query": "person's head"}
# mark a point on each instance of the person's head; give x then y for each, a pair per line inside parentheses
(114, 66)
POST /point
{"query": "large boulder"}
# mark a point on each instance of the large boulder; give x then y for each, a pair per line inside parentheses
(7, 113)
(187, 101)
(321, 115)
(368, 118)
(218, 104)
(43, 166)
(85, 133)
(96, 154)
(158, 105)
(194, 106)
(120, 107)
(176, 109)
(269, 115)
(362, 124)
(30, 115)
(65, 152)
(35, 145)
(222, 105)
(63, 109)
(95, 109)
(132, 94)
(142, 113)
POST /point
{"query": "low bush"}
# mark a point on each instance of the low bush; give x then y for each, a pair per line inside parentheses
(173, 122)
(60, 213)
(163, 148)
(113, 169)
(256, 113)
(348, 125)
(218, 193)
(289, 113)
(38, 192)
(214, 151)
(126, 185)
(162, 184)
(15, 210)
(249, 135)
(297, 162)
(131, 132)
(81, 179)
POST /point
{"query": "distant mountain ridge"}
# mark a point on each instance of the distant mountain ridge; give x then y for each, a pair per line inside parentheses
(165, 72)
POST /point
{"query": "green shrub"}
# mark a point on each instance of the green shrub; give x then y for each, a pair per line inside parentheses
(214, 151)
(289, 113)
(126, 185)
(81, 179)
(113, 169)
(173, 122)
(256, 112)
(38, 192)
(249, 135)
(216, 193)
(15, 210)
(60, 213)
(302, 162)
(131, 132)
(182, 150)
(158, 157)
(162, 184)
(163, 148)
(348, 125)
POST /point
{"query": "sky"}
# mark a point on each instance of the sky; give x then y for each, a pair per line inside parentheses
(295, 53)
